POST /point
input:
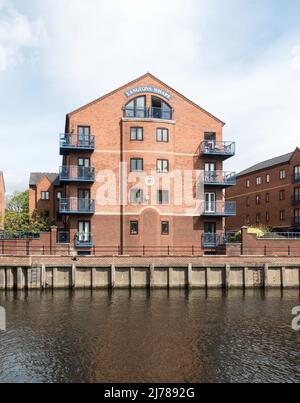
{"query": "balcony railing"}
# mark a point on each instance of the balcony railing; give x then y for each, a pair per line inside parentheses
(220, 178)
(296, 221)
(63, 237)
(83, 240)
(296, 178)
(211, 241)
(212, 148)
(76, 206)
(220, 209)
(295, 200)
(77, 174)
(76, 142)
(151, 113)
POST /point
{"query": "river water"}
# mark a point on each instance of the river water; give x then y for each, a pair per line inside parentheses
(143, 336)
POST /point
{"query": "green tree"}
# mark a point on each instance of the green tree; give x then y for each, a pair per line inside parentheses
(18, 219)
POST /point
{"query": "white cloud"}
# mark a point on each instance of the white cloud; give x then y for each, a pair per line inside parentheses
(17, 33)
(296, 58)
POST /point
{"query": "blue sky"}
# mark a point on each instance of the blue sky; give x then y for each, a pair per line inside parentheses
(240, 59)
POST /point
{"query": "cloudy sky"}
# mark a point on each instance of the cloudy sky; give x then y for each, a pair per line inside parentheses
(240, 59)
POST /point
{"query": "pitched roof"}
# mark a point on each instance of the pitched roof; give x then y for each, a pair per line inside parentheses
(282, 159)
(36, 177)
(160, 82)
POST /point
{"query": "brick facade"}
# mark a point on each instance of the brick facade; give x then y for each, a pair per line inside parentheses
(2, 200)
(105, 119)
(268, 196)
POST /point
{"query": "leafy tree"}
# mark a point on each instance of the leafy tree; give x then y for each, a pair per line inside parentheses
(18, 219)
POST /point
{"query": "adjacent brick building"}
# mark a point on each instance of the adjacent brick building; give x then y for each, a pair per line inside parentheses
(2, 200)
(268, 194)
(151, 128)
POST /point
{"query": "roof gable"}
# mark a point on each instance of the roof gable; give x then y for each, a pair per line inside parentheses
(36, 177)
(147, 75)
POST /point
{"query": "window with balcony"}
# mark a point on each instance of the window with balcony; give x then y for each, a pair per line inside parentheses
(136, 108)
(162, 135)
(163, 197)
(136, 196)
(165, 228)
(162, 166)
(134, 227)
(160, 109)
(45, 196)
(136, 165)
(136, 134)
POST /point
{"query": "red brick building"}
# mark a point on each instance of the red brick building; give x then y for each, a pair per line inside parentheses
(2, 200)
(268, 194)
(150, 129)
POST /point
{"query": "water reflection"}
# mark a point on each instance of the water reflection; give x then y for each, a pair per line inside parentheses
(143, 336)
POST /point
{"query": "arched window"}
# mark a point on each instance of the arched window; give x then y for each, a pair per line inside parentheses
(136, 108)
(160, 109)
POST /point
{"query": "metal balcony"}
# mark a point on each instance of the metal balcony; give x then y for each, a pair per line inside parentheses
(211, 241)
(77, 206)
(295, 200)
(151, 113)
(296, 222)
(76, 143)
(220, 209)
(219, 179)
(296, 178)
(76, 174)
(222, 149)
(83, 240)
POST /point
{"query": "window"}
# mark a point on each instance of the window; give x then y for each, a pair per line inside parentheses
(134, 227)
(136, 196)
(258, 218)
(267, 197)
(136, 108)
(58, 195)
(282, 195)
(84, 135)
(45, 196)
(84, 163)
(267, 216)
(84, 232)
(297, 174)
(210, 202)
(248, 184)
(210, 136)
(258, 199)
(136, 134)
(165, 228)
(282, 215)
(268, 178)
(258, 180)
(247, 201)
(163, 197)
(160, 109)
(297, 216)
(136, 165)
(282, 174)
(162, 135)
(247, 222)
(297, 194)
(162, 166)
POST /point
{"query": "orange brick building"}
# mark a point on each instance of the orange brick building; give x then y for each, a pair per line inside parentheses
(2, 200)
(149, 129)
(268, 194)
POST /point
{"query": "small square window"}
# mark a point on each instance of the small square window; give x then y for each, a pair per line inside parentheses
(136, 196)
(134, 228)
(282, 174)
(165, 228)
(45, 196)
(136, 134)
(162, 135)
(136, 165)
(163, 197)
